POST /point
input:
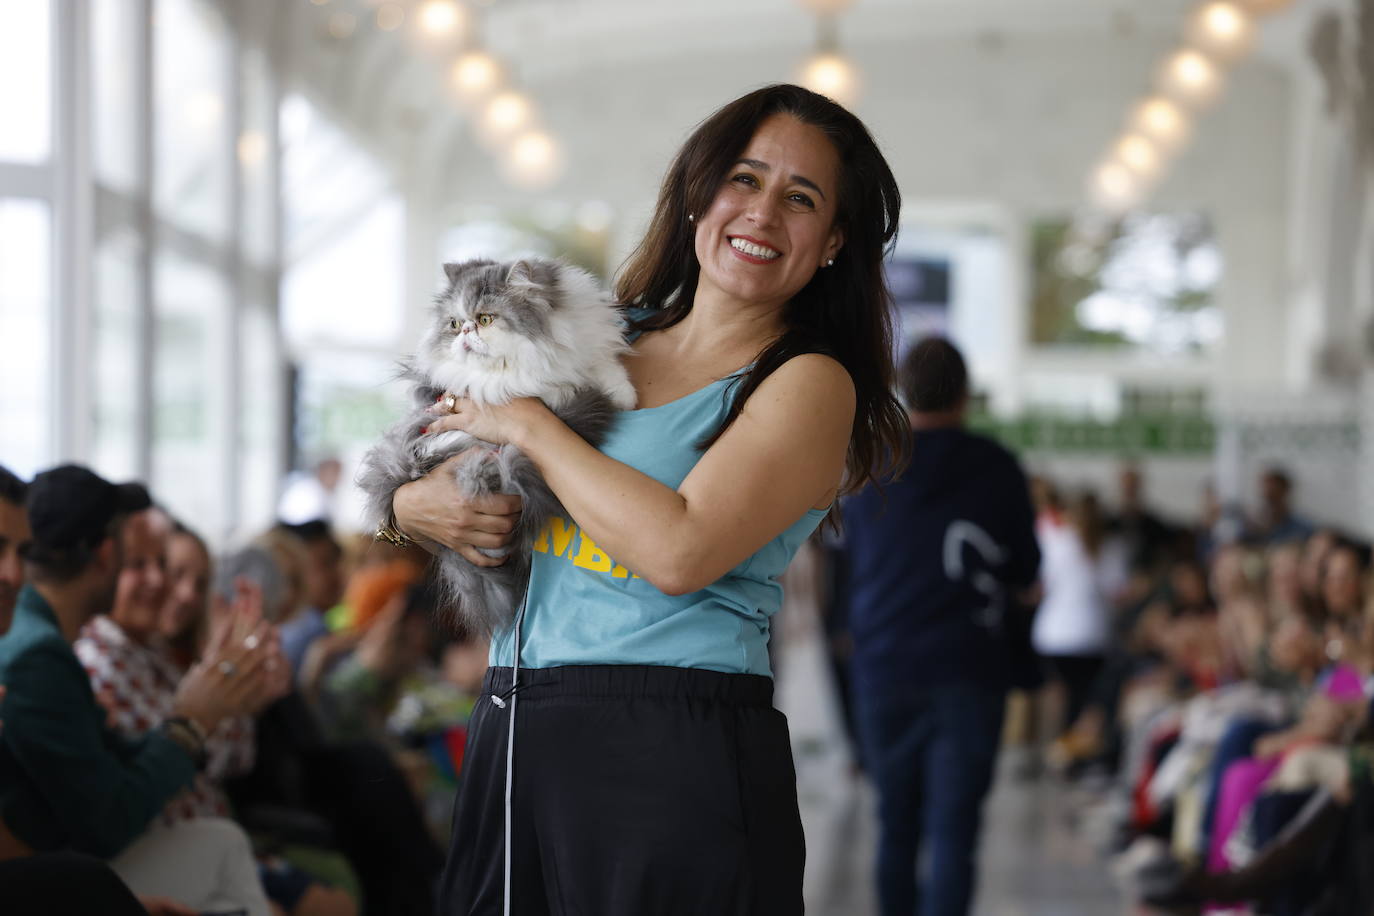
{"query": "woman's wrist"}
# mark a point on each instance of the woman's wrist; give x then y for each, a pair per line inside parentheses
(400, 519)
(533, 422)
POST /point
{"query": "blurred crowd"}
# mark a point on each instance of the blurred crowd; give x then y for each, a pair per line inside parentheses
(1214, 685)
(289, 718)
(320, 696)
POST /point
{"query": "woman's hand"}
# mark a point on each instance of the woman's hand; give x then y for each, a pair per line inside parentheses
(433, 509)
(497, 424)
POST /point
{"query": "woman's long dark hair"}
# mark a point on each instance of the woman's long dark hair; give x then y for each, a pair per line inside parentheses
(845, 311)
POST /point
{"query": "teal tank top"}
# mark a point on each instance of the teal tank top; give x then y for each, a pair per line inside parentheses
(584, 608)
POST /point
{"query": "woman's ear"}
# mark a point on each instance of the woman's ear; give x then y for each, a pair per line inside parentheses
(834, 243)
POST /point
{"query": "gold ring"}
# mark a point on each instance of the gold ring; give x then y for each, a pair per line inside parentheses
(450, 402)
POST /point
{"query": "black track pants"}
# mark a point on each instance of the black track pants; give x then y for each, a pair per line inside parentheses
(638, 791)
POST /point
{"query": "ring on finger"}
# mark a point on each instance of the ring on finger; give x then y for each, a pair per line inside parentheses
(227, 668)
(450, 402)
(251, 642)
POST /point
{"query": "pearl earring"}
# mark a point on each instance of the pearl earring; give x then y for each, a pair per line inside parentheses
(830, 263)
(691, 217)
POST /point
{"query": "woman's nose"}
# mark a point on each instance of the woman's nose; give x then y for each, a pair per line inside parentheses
(763, 210)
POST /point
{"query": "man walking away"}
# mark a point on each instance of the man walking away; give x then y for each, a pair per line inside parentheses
(935, 556)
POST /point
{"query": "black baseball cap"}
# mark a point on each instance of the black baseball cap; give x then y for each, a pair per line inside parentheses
(72, 506)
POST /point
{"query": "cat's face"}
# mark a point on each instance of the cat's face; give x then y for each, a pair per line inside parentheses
(490, 314)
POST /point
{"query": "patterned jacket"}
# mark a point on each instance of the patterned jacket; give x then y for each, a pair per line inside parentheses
(137, 684)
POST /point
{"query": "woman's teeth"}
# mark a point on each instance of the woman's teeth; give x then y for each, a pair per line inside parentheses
(754, 251)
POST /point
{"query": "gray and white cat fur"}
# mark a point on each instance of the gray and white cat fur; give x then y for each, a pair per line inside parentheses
(498, 331)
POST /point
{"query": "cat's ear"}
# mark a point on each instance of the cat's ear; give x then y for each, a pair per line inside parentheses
(521, 272)
(453, 272)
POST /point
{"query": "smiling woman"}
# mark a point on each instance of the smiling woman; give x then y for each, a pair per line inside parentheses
(654, 774)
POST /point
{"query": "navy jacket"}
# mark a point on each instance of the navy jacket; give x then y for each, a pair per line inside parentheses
(931, 559)
(66, 781)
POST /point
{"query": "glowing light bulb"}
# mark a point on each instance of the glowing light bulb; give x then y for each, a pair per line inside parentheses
(1222, 28)
(533, 160)
(475, 74)
(831, 75)
(1192, 78)
(506, 113)
(440, 18)
(1114, 187)
(1162, 121)
(1138, 154)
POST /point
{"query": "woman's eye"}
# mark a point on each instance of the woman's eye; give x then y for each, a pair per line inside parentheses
(485, 320)
(803, 200)
(746, 178)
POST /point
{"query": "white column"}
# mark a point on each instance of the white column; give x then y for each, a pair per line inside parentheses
(73, 231)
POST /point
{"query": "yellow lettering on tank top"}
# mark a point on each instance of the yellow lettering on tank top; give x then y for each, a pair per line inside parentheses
(591, 556)
(556, 538)
(560, 532)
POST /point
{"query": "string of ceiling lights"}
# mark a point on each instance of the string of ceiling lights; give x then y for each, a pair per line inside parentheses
(1217, 35)
(506, 119)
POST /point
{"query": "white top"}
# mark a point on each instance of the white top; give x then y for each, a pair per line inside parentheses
(1074, 616)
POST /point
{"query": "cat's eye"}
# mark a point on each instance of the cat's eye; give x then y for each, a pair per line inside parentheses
(485, 319)
(453, 323)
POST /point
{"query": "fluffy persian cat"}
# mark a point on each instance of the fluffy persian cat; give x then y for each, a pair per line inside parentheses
(531, 328)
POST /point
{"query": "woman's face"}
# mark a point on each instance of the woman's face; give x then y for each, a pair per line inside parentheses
(1313, 558)
(141, 586)
(188, 586)
(1341, 586)
(771, 224)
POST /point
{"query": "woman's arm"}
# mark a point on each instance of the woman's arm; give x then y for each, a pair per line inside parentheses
(784, 454)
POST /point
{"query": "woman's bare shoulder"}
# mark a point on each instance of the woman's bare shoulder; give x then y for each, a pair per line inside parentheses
(816, 377)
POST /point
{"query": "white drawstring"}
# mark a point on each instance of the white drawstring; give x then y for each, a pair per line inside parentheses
(510, 742)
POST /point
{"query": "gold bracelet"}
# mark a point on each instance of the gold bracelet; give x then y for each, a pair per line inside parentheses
(387, 531)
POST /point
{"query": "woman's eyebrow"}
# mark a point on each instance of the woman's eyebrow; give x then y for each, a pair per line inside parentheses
(799, 179)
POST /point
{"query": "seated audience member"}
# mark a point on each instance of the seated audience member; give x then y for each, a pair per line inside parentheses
(1343, 596)
(66, 781)
(56, 882)
(355, 788)
(14, 540)
(134, 675)
(1145, 537)
(135, 680)
(183, 624)
(323, 590)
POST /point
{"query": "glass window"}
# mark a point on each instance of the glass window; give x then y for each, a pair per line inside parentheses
(326, 177)
(26, 381)
(186, 384)
(344, 401)
(114, 93)
(348, 291)
(114, 451)
(26, 75)
(190, 47)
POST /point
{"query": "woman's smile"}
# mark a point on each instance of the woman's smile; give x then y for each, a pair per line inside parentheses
(753, 250)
